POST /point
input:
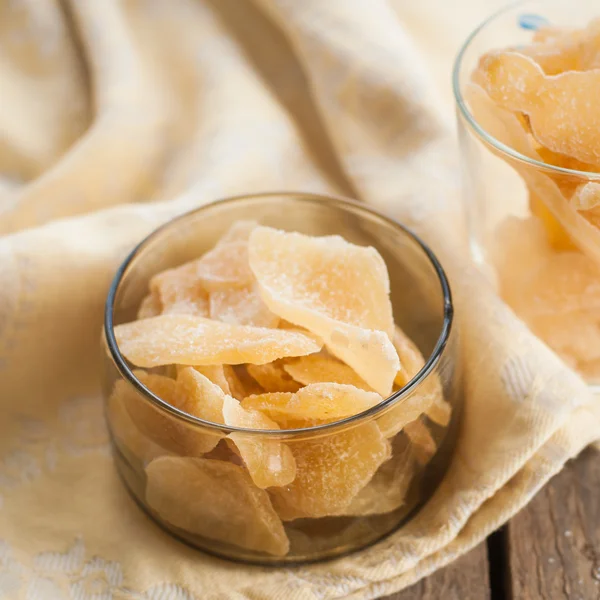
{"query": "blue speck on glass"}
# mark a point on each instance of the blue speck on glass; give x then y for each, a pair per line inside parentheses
(532, 22)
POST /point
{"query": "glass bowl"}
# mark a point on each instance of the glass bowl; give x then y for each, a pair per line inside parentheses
(524, 228)
(406, 469)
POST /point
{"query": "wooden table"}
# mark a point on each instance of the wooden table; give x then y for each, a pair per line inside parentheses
(549, 551)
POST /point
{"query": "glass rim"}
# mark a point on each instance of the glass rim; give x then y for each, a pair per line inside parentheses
(472, 121)
(310, 198)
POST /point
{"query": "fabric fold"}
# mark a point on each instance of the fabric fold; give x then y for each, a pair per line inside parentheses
(189, 101)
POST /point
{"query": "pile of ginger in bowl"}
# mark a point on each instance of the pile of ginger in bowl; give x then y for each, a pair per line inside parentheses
(263, 403)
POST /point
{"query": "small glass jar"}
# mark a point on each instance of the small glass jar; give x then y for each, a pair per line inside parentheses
(524, 227)
(402, 470)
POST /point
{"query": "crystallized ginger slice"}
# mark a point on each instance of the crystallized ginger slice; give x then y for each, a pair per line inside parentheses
(214, 373)
(269, 462)
(426, 398)
(556, 51)
(322, 367)
(405, 411)
(422, 441)
(239, 232)
(586, 196)
(273, 377)
(562, 49)
(267, 404)
(225, 266)
(241, 306)
(192, 340)
(330, 471)
(335, 289)
(318, 401)
(150, 306)
(180, 291)
(560, 112)
(200, 397)
(389, 486)
(439, 411)
(227, 379)
(165, 430)
(127, 434)
(217, 500)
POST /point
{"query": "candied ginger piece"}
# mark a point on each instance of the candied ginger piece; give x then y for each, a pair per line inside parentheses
(269, 462)
(319, 401)
(226, 265)
(180, 291)
(562, 49)
(438, 410)
(164, 430)
(510, 79)
(192, 340)
(214, 373)
(273, 378)
(500, 123)
(226, 378)
(586, 196)
(267, 403)
(149, 307)
(562, 160)
(123, 428)
(200, 397)
(348, 283)
(330, 472)
(557, 53)
(560, 112)
(512, 129)
(406, 411)
(410, 357)
(322, 367)
(337, 290)
(389, 487)
(241, 306)
(423, 444)
(217, 500)
(239, 232)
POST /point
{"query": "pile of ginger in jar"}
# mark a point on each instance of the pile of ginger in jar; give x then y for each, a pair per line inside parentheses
(543, 100)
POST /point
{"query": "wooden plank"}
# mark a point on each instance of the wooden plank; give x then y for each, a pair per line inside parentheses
(554, 543)
(467, 578)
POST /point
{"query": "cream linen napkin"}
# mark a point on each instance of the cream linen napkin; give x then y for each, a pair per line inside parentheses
(117, 115)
